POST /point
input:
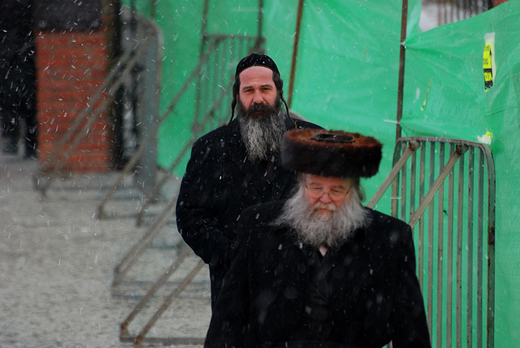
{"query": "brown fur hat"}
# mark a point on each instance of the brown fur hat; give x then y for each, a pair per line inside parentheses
(331, 153)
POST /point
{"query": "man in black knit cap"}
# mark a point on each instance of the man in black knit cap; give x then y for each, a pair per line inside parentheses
(236, 166)
(319, 269)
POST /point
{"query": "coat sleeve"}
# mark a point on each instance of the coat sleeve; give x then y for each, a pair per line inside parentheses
(409, 317)
(196, 213)
(230, 320)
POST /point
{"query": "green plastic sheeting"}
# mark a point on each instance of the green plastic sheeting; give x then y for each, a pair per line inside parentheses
(446, 96)
(346, 66)
(346, 78)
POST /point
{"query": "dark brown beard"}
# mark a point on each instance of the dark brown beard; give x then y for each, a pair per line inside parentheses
(262, 133)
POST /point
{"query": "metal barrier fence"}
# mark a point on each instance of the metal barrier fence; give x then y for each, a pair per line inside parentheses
(217, 65)
(450, 11)
(445, 189)
(217, 77)
(147, 48)
(168, 210)
(215, 81)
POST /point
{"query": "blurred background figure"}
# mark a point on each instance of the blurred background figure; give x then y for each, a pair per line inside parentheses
(18, 77)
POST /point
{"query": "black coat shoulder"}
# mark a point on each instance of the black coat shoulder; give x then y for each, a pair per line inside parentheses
(263, 212)
(222, 134)
(381, 219)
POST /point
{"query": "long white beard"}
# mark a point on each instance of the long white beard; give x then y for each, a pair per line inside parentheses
(316, 228)
(262, 134)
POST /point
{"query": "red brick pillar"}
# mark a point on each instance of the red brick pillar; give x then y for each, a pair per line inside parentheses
(70, 66)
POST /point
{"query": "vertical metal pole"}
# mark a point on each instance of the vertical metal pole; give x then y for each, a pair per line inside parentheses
(480, 247)
(404, 178)
(148, 113)
(449, 285)
(420, 244)
(204, 23)
(119, 107)
(469, 300)
(396, 183)
(413, 193)
(491, 250)
(440, 251)
(295, 51)
(196, 118)
(135, 75)
(430, 237)
(258, 42)
(153, 7)
(439, 13)
(460, 222)
(413, 184)
(400, 85)
(452, 12)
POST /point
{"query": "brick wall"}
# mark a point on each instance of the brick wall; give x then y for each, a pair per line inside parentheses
(70, 66)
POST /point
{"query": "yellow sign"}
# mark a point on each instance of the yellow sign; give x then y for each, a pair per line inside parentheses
(488, 63)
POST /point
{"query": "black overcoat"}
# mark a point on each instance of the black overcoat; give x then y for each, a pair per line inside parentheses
(372, 289)
(220, 181)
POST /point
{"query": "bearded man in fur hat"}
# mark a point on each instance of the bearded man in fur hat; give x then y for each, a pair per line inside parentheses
(236, 166)
(319, 269)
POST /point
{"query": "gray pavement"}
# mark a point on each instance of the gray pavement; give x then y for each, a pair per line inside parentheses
(57, 263)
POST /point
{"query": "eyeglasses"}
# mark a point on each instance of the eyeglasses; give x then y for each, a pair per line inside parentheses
(334, 194)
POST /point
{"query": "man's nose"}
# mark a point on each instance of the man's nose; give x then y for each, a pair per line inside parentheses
(257, 98)
(325, 198)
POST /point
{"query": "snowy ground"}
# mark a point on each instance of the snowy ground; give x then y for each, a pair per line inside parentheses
(57, 265)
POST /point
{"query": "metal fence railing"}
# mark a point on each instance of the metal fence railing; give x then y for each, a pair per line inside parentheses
(148, 40)
(214, 84)
(445, 190)
(215, 73)
(449, 11)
